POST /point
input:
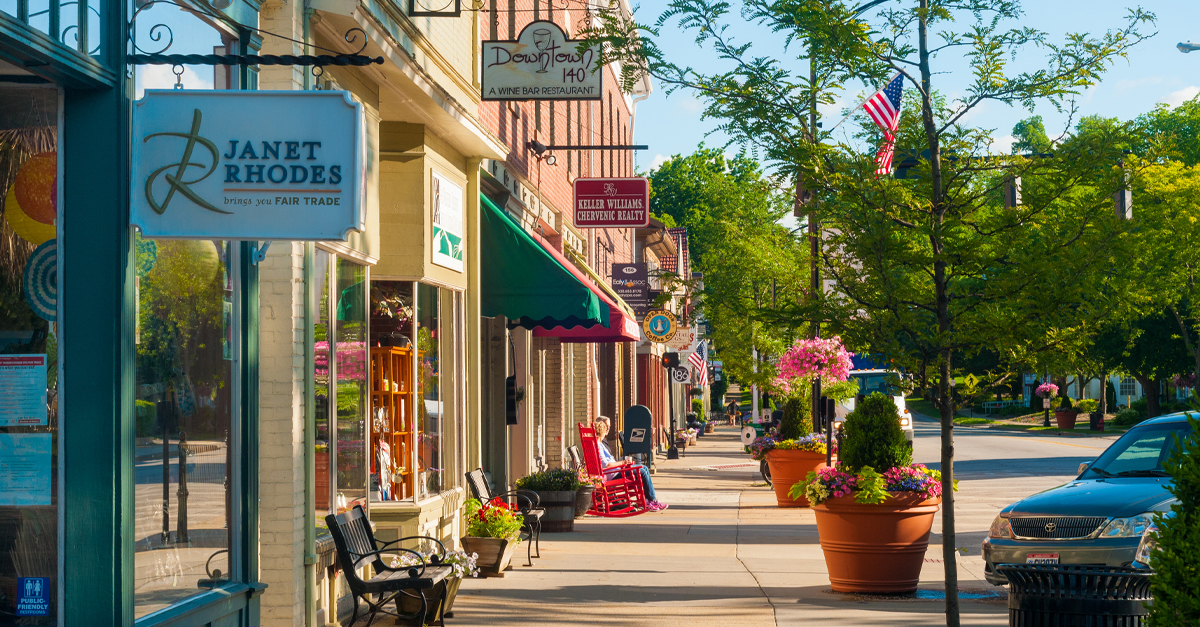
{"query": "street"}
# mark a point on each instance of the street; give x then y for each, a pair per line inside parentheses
(724, 553)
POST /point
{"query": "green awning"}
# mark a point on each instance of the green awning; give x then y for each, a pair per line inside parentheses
(523, 282)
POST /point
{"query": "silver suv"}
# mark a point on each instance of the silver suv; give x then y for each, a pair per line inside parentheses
(1097, 519)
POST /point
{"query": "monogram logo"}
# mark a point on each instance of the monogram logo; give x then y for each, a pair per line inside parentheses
(177, 180)
(1050, 527)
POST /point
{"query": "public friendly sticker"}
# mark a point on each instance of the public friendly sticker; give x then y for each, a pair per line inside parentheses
(33, 596)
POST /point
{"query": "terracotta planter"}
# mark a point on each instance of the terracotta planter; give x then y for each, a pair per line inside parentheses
(788, 467)
(560, 509)
(875, 548)
(1065, 419)
(583, 499)
(439, 600)
(494, 554)
(708, 428)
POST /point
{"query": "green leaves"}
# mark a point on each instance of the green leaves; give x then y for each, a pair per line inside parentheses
(1175, 585)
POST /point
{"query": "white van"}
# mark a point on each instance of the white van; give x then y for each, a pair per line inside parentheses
(877, 380)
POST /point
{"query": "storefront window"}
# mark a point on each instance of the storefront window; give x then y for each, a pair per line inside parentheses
(351, 338)
(392, 433)
(184, 418)
(320, 315)
(429, 391)
(28, 356)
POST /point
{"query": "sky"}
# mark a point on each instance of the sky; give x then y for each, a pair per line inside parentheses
(1155, 72)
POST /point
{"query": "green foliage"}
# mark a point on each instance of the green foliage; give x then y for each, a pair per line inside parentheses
(144, 417)
(1030, 137)
(1175, 585)
(872, 488)
(1128, 417)
(795, 421)
(491, 520)
(554, 479)
(1110, 394)
(1088, 405)
(717, 390)
(872, 436)
(697, 406)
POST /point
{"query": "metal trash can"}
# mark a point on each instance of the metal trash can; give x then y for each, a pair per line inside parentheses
(1056, 595)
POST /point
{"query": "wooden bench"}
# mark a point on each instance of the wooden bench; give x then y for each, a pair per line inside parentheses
(357, 548)
(528, 504)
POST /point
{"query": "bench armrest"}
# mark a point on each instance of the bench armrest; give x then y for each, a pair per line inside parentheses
(532, 501)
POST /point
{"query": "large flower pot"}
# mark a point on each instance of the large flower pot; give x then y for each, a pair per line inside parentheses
(494, 554)
(560, 509)
(583, 499)
(708, 428)
(1065, 419)
(789, 467)
(875, 548)
(439, 600)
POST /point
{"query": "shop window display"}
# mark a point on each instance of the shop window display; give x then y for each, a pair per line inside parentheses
(28, 356)
(429, 392)
(392, 413)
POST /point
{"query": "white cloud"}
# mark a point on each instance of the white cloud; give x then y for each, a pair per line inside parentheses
(658, 160)
(1002, 145)
(162, 77)
(691, 104)
(1176, 98)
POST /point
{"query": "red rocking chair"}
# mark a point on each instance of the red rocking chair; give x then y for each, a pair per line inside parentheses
(621, 494)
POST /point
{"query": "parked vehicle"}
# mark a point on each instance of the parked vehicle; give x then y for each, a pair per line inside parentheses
(871, 380)
(1099, 518)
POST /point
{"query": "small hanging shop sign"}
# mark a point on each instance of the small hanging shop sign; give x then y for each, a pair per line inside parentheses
(248, 165)
(542, 64)
(612, 202)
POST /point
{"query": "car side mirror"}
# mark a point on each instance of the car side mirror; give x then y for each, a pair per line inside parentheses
(1084, 466)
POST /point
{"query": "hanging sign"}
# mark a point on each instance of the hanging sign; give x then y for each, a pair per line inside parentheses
(659, 325)
(542, 64)
(249, 165)
(447, 223)
(681, 375)
(685, 341)
(629, 282)
(612, 202)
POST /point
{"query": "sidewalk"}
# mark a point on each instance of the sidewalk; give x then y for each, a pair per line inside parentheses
(723, 554)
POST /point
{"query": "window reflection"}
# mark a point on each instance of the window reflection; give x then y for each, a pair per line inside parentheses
(184, 411)
(351, 368)
(320, 313)
(429, 392)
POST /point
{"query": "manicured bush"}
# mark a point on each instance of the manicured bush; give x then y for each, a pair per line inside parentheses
(1129, 417)
(1175, 585)
(872, 436)
(1110, 393)
(1088, 405)
(697, 406)
(145, 412)
(553, 480)
(794, 423)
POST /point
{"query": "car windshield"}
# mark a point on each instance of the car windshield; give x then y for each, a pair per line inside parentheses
(1141, 452)
(869, 383)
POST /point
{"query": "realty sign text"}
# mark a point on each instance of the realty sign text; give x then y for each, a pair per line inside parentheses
(612, 202)
(542, 64)
(248, 165)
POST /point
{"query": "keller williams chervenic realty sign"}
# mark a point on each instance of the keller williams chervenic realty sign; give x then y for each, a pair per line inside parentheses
(250, 165)
(612, 202)
(542, 64)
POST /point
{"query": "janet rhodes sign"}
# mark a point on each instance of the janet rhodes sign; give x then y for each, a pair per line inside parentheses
(254, 165)
(612, 202)
(542, 64)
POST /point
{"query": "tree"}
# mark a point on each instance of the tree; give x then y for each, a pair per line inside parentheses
(1175, 585)
(1149, 349)
(935, 259)
(1030, 137)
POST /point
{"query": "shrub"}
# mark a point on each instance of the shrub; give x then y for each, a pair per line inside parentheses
(1064, 403)
(1128, 417)
(794, 423)
(1110, 393)
(553, 480)
(1175, 585)
(1088, 405)
(872, 436)
(697, 406)
(145, 413)
(1140, 405)
(493, 519)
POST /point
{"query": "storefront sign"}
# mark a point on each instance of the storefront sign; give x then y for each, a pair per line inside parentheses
(612, 202)
(542, 64)
(33, 596)
(447, 223)
(681, 375)
(251, 165)
(25, 469)
(659, 325)
(629, 282)
(22, 390)
(685, 341)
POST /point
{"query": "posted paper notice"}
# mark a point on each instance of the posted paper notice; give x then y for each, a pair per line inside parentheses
(25, 469)
(22, 390)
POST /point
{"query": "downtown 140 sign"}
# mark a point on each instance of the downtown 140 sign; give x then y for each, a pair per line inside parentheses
(542, 64)
(612, 202)
(256, 165)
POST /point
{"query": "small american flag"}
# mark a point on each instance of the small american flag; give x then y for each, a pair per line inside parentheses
(697, 360)
(884, 109)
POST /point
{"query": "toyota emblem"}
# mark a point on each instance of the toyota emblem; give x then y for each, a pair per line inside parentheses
(1050, 527)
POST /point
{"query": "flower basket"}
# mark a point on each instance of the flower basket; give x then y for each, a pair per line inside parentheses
(583, 499)
(439, 600)
(708, 428)
(1065, 418)
(875, 548)
(494, 554)
(789, 467)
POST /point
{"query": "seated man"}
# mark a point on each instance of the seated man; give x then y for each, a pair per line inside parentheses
(603, 425)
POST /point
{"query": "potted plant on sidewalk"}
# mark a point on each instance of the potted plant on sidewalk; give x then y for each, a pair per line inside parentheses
(556, 489)
(874, 526)
(493, 531)
(792, 452)
(440, 598)
(585, 491)
(1065, 414)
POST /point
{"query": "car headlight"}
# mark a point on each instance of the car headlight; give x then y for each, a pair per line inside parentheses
(1131, 527)
(1001, 528)
(1146, 547)
(904, 421)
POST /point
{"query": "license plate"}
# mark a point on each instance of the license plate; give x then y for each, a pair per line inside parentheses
(1041, 558)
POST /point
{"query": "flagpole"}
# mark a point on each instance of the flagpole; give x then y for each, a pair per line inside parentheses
(863, 101)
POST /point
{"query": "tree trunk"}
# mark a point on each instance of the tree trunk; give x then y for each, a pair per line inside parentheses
(1103, 393)
(1150, 391)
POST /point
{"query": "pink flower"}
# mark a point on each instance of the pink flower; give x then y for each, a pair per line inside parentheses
(818, 357)
(1046, 390)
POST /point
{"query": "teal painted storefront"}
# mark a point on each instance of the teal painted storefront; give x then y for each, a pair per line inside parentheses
(97, 328)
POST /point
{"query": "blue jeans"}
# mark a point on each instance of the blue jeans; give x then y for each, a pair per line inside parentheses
(648, 485)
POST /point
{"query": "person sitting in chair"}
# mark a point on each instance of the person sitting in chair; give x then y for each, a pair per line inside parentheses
(603, 425)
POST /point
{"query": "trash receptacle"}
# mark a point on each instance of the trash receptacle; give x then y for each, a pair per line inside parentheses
(1069, 596)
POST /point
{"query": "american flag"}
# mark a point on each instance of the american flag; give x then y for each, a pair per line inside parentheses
(884, 109)
(697, 360)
